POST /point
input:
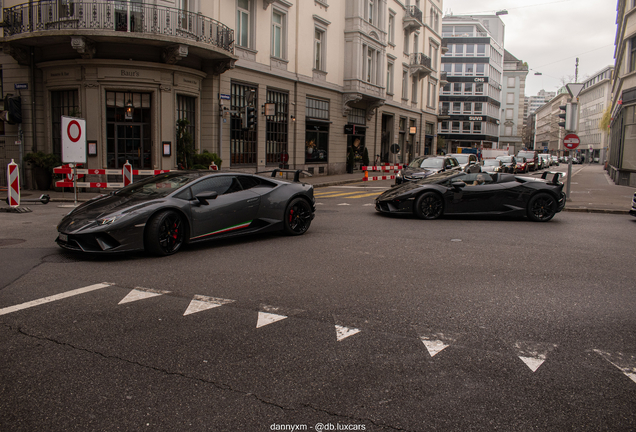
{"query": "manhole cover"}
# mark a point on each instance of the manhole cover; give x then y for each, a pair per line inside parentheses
(10, 242)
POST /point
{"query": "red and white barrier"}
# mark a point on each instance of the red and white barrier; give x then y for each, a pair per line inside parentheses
(13, 182)
(367, 178)
(126, 172)
(383, 168)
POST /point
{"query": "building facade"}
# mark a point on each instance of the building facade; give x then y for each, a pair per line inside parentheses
(622, 150)
(513, 100)
(549, 135)
(594, 99)
(474, 68)
(331, 82)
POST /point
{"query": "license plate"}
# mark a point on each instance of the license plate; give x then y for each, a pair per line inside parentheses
(63, 237)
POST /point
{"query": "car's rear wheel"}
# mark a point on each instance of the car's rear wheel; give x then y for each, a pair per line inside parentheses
(165, 233)
(429, 205)
(542, 207)
(297, 218)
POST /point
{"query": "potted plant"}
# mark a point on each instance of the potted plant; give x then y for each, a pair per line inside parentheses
(203, 160)
(42, 164)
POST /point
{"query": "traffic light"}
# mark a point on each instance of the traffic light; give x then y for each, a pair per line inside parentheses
(250, 117)
(13, 109)
(564, 115)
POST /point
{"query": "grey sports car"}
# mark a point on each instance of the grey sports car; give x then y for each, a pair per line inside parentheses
(162, 213)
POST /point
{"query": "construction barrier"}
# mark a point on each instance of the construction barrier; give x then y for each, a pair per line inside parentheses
(383, 168)
(126, 172)
(13, 182)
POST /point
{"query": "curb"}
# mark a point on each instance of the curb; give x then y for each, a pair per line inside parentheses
(591, 210)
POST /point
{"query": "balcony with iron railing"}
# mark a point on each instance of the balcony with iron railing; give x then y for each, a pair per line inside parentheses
(420, 64)
(412, 18)
(116, 19)
(444, 114)
(443, 78)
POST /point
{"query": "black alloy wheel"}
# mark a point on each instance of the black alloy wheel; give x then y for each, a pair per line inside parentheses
(297, 218)
(429, 206)
(165, 233)
(542, 207)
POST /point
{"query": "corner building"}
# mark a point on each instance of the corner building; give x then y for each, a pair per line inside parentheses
(474, 64)
(332, 81)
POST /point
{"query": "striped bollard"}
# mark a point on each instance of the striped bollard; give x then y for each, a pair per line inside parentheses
(13, 181)
(128, 174)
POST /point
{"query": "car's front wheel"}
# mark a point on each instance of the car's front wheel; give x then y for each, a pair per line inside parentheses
(542, 207)
(297, 218)
(429, 205)
(165, 233)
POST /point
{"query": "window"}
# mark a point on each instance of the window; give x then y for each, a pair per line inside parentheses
(319, 54)
(370, 16)
(432, 53)
(457, 107)
(478, 108)
(243, 33)
(316, 132)
(414, 90)
(465, 127)
(455, 127)
(468, 88)
(459, 68)
(63, 103)
(508, 131)
(186, 110)
(481, 50)
(391, 32)
(511, 82)
(416, 43)
(468, 107)
(277, 127)
(470, 69)
(477, 127)
(369, 66)
(480, 69)
(510, 98)
(221, 185)
(406, 42)
(243, 144)
(447, 67)
(459, 50)
(446, 89)
(457, 88)
(405, 84)
(479, 89)
(389, 78)
(432, 97)
(278, 34)
(632, 60)
(509, 113)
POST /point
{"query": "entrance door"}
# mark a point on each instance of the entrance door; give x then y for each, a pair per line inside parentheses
(128, 130)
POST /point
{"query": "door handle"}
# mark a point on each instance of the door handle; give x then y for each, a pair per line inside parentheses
(251, 200)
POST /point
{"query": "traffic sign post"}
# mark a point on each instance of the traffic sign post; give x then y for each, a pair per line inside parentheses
(570, 142)
(74, 145)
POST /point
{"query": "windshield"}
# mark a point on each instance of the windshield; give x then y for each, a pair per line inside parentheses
(435, 163)
(491, 162)
(505, 159)
(526, 155)
(462, 159)
(160, 185)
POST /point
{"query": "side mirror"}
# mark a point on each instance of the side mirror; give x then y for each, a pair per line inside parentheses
(203, 197)
(449, 166)
(458, 184)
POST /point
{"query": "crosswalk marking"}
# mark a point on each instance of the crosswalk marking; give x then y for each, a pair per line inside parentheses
(53, 298)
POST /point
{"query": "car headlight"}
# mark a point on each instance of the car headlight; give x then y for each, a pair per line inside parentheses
(399, 174)
(107, 220)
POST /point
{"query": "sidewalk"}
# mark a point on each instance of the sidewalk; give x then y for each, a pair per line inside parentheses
(592, 190)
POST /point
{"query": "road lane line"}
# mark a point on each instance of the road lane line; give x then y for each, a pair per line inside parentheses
(53, 298)
(335, 194)
(365, 195)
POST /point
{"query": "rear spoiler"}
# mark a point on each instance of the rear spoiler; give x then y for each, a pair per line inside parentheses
(555, 176)
(297, 173)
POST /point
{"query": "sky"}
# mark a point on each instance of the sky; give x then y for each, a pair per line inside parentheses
(549, 36)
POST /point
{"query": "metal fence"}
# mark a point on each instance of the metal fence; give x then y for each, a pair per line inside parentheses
(117, 16)
(8, 150)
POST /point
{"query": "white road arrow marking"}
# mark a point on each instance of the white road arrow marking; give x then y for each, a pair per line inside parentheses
(200, 303)
(140, 293)
(626, 363)
(434, 346)
(53, 298)
(533, 354)
(344, 332)
(265, 318)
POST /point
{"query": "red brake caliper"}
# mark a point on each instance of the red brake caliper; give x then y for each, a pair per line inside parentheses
(291, 214)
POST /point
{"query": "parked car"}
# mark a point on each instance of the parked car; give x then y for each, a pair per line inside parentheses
(555, 160)
(576, 160)
(162, 213)
(522, 165)
(425, 166)
(546, 159)
(532, 157)
(492, 166)
(467, 161)
(633, 210)
(509, 163)
(453, 193)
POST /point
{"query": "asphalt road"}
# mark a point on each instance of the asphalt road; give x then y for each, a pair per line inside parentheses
(366, 322)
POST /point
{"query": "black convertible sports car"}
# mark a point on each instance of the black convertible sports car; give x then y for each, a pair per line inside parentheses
(162, 213)
(452, 193)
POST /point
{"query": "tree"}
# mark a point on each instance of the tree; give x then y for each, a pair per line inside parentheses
(606, 120)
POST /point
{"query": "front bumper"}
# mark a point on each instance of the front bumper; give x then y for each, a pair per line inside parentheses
(633, 210)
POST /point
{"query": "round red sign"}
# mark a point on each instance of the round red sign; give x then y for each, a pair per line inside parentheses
(571, 141)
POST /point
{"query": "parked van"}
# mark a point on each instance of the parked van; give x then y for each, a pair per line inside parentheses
(532, 157)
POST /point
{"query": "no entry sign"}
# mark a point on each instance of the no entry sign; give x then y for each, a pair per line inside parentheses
(73, 140)
(571, 141)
